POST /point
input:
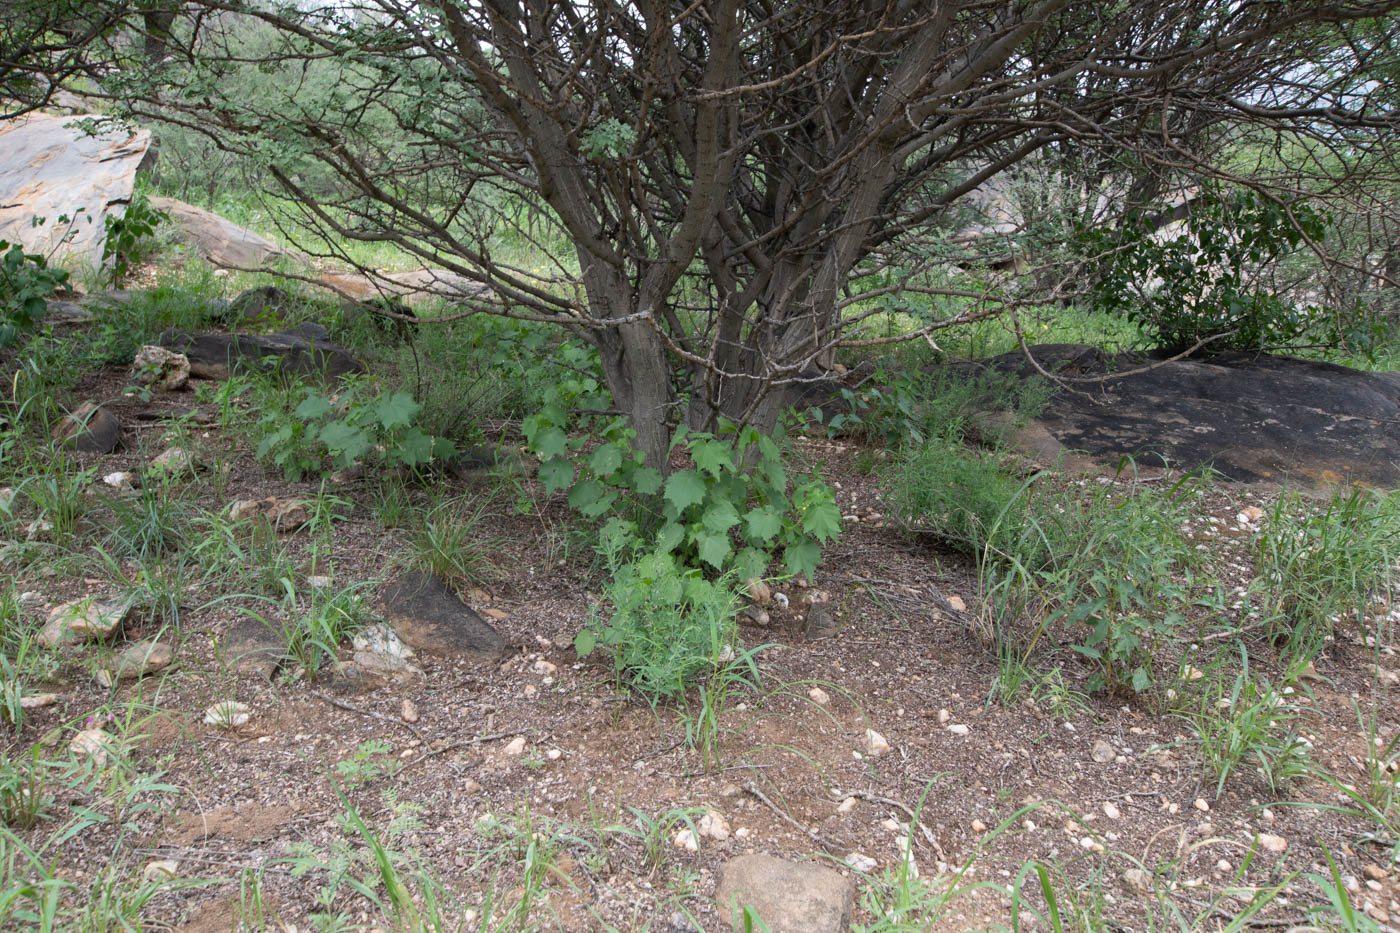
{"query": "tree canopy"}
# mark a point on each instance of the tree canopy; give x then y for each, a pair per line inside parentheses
(726, 191)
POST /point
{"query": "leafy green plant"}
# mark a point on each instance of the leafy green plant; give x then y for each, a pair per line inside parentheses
(368, 763)
(128, 237)
(1202, 283)
(349, 427)
(450, 544)
(26, 284)
(23, 789)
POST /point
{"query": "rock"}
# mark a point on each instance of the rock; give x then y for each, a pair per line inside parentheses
(90, 429)
(122, 481)
(158, 870)
(297, 351)
(408, 711)
(959, 729)
(85, 619)
(978, 826)
(756, 616)
(49, 166)
(714, 826)
(1110, 810)
(249, 646)
(470, 787)
(846, 806)
(874, 743)
(1272, 843)
(259, 305)
(173, 460)
(1386, 678)
(412, 288)
(221, 242)
(284, 513)
(787, 897)
(1253, 417)
(819, 696)
(822, 621)
(38, 528)
(1374, 872)
(7, 499)
(496, 615)
(515, 747)
(1103, 752)
(543, 667)
(92, 743)
(860, 862)
(957, 603)
(679, 922)
(1139, 881)
(759, 592)
(135, 661)
(37, 700)
(431, 618)
(685, 839)
(381, 639)
(387, 667)
(160, 368)
(227, 714)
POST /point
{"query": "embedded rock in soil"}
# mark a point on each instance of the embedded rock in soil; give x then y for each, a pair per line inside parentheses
(1102, 752)
(91, 743)
(90, 429)
(251, 647)
(387, 667)
(160, 368)
(822, 621)
(300, 350)
(284, 513)
(789, 897)
(135, 661)
(257, 305)
(174, 460)
(430, 617)
(222, 242)
(83, 619)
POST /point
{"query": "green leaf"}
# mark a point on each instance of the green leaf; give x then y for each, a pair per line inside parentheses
(605, 460)
(763, 524)
(313, 407)
(646, 481)
(556, 473)
(414, 448)
(584, 643)
(714, 549)
(670, 537)
(685, 488)
(550, 442)
(585, 493)
(720, 517)
(343, 438)
(397, 410)
(712, 457)
(749, 563)
(1141, 680)
(820, 517)
(802, 558)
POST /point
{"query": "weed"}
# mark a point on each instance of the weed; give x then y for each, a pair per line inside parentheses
(367, 764)
(451, 545)
(23, 785)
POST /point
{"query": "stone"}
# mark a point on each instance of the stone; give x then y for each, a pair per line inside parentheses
(1103, 752)
(227, 714)
(221, 242)
(298, 351)
(158, 870)
(7, 499)
(160, 368)
(714, 825)
(259, 305)
(37, 700)
(1202, 804)
(515, 747)
(759, 592)
(90, 429)
(959, 729)
(978, 826)
(685, 840)
(173, 460)
(250, 647)
(1270, 842)
(957, 603)
(757, 616)
(387, 667)
(860, 862)
(496, 615)
(788, 897)
(94, 744)
(122, 481)
(381, 639)
(874, 743)
(408, 711)
(1374, 872)
(86, 619)
(284, 513)
(1139, 881)
(135, 661)
(431, 618)
(822, 621)
(1110, 810)
(50, 166)
(819, 696)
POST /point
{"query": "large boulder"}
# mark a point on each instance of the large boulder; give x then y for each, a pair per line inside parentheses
(303, 349)
(222, 242)
(50, 167)
(1252, 417)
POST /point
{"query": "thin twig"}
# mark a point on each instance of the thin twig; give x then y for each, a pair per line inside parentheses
(913, 820)
(475, 740)
(763, 798)
(350, 708)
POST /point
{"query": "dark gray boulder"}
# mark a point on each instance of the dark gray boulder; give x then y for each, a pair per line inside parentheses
(304, 350)
(89, 428)
(431, 618)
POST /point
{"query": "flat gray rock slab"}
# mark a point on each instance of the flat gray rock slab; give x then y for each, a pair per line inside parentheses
(431, 618)
(1253, 418)
(250, 647)
(789, 897)
(300, 350)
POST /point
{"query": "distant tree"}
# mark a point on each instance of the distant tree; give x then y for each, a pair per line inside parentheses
(728, 190)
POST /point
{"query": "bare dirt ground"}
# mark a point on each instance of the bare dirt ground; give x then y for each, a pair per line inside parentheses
(1094, 786)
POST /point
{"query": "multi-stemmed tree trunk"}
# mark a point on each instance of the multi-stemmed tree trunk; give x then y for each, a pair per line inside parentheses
(728, 190)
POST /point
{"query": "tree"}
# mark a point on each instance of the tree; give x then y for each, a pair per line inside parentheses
(728, 190)
(44, 43)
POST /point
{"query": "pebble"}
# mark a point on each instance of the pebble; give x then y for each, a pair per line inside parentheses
(544, 667)
(91, 743)
(1103, 752)
(860, 862)
(161, 869)
(847, 805)
(978, 826)
(1375, 872)
(819, 696)
(554, 754)
(759, 592)
(715, 826)
(1111, 811)
(515, 746)
(944, 717)
(470, 787)
(874, 743)
(1139, 880)
(121, 481)
(408, 711)
(957, 603)
(1272, 843)
(135, 661)
(174, 459)
(959, 729)
(227, 714)
(685, 839)
(37, 700)
(1202, 804)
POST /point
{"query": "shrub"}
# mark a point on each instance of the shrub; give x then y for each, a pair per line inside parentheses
(26, 284)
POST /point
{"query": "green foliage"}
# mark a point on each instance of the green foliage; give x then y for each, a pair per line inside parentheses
(1316, 566)
(450, 544)
(23, 789)
(668, 627)
(349, 427)
(128, 237)
(369, 762)
(26, 284)
(1202, 282)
